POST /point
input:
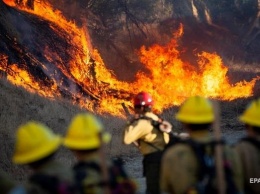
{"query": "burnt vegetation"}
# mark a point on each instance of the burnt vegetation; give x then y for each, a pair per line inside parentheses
(119, 27)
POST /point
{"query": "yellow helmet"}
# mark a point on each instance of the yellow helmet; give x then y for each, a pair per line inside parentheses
(196, 110)
(34, 141)
(84, 133)
(251, 115)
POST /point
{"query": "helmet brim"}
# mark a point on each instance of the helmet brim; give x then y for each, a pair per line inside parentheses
(86, 144)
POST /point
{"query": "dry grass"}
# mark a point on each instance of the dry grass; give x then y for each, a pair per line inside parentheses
(17, 107)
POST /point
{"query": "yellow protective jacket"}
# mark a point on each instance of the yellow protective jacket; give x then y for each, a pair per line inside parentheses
(180, 167)
(250, 157)
(142, 131)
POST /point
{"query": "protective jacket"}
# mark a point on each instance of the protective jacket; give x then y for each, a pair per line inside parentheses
(180, 166)
(249, 154)
(151, 142)
(142, 131)
(89, 179)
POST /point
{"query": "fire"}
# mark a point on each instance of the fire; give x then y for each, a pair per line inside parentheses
(170, 79)
(21, 77)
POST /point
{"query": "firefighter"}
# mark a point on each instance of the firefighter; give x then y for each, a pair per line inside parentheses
(188, 167)
(36, 146)
(144, 131)
(249, 147)
(86, 137)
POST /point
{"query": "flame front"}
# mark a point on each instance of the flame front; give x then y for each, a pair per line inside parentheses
(170, 79)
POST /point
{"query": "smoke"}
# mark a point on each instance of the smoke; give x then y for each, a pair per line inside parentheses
(25, 33)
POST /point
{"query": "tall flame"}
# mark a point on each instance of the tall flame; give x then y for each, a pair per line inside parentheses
(170, 79)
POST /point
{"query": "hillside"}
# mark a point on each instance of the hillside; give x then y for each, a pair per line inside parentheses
(118, 28)
(17, 106)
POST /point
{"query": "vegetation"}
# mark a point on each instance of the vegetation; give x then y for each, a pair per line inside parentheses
(120, 27)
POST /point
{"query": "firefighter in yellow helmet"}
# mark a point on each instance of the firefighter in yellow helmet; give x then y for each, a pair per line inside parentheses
(86, 138)
(249, 147)
(144, 130)
(186, 166)
(36, 146)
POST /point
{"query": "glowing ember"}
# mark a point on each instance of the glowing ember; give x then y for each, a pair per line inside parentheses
(170, 80)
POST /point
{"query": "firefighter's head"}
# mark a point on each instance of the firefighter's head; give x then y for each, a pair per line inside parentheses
(85, 132)
(196, 113)
(143, 102)
(85, 135)
(35, 143)
(251, 117)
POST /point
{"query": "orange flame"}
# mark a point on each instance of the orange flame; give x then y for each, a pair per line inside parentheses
(22, 78)
(173, 80)
(170, 81)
